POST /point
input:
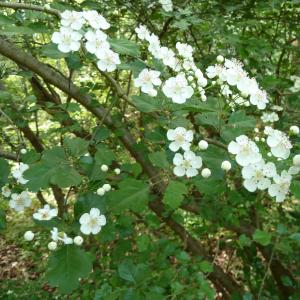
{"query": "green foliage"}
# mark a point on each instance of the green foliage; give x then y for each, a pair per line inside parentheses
(262, 237)
(124, 46)
(174, 194)
(67, 266)
(5, 170)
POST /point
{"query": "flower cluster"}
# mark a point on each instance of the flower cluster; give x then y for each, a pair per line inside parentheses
(92, 222)
(233, 74)
(46, 213)
(18, 171)
(87, 25)
(19, 202)
(269, 117)
(104, 189)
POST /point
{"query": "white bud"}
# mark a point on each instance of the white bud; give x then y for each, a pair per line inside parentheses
(206, 172)
(244, 94)
(106, 187)
(294, 130)
(29, 235)
(256, 139)
(117, 171)
(23, 151)
(203, 98)
(78, 240)
(104, 168)
(101, 191)
(296, 160)
(152, 93)
(52, 246)
(269, 154)
(256, 130)
(220, 58)
(226, 165)
(263, 139)
(190, 78)
(203, 145)
(213, 82)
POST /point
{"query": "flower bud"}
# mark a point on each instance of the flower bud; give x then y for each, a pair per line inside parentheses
(296, 160)
(117, 171)
(106, 187)
(203, 145)
(206, 172)
(52, 246)
(78, 240)
(28, 235)
(104, 168)
(294, 130)
(220, 58)
(226, 165)
(23, 151)
(101, 191)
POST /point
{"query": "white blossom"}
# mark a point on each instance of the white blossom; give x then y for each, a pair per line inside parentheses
(296, 160)
(19, 202)
(92, 222)
(72, 19)
(187, 164)
(180, 137)
(177, 89)
(184, 50)
(46, 213)
(146, 80)
(167, 5)
(246, 151)
(279, 143)
(142, 32)
(108, 60)
(281, 186)
(96, 42)
(52, 246)
(18, 171)
(96, 20)
(67, 40)
(259, 98)
(269, 117)
(6, 191)
(226, 165)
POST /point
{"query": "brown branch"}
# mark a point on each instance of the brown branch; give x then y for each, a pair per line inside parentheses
(44, 9)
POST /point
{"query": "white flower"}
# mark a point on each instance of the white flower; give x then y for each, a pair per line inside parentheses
(167, 5)
(78, 240)
(29, 236)
(147, 79)
(6, 192)
(294, 170)
(92, 222)
(106, 187)
(203, 145)
(18, 171)
(180, 137)
(226, 165)
(67, 40)
(296, 160)
(281, 187)
(117, 171)
(73, 19)
(60, 236)
(245, 150)
(95, 20)
(142, 32)
(184, 50)
(294, 130)
(177, 89)
(108, 60)
(96, 42)
(259, 98)
(269, 117)
(187, 164)
(217, 70)
(52, 246)
(104, 168)
(54, 234)
(46, 213)
(206, 173)
(167, 56)
(257, 175)
(100, 191)
(19, 202)
(279, 143)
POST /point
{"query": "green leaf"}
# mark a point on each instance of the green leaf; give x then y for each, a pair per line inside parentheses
(104, 155)
(146, 104)
(295, 189)
(16, 30)
(65, 176)
(124, 46)
(296, 237)
(132, 194)
(4, 20)
(52, 51)
(159, 159)
(4, 171)
(2, 220)
(66, 266)
(133, 273)
(77, 146)
(174, 194)
(206, 266)
(262, 237)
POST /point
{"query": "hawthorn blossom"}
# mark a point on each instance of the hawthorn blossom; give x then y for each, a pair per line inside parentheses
(19, 202)
(108, 60)
(270, 117)
(6, 191)
(96, 42)
(259, 98)
(187, 164)
(95, 20)
(67, 40)
(46, 213)
(167, 5)
(57, 236)
(279, 143)
(180, 137)
(184, 50)
(18, 171)
(146, 80)
(246, 151)
(257, 175)
(92, 222)
(281, 186)
(72, 19)
(177, 89)
(142, 32)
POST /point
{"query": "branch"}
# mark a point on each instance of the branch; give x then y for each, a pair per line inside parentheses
(44, 9)
(9, 156)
